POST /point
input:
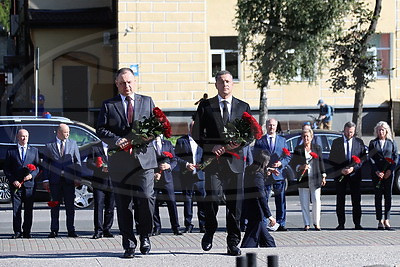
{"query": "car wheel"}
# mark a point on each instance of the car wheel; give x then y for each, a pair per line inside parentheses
(397, 182)
(5, 192)
(84, 195)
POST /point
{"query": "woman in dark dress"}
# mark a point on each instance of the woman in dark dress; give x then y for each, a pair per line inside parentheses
(384, 157)
(308, 163)
(256, 204)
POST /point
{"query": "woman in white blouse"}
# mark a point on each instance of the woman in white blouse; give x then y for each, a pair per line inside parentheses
(308, 163)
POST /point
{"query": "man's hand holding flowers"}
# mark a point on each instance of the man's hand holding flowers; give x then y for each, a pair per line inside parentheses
(25, 175)
(349, 169)
(386, 173)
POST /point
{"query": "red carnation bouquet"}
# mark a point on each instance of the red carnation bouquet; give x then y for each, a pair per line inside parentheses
(100, 163)
(243, 131)
(25, 171)
(143, 132)
(166, 156)
(354, 161)
(53, 203)
(388, 163)
(313, 156)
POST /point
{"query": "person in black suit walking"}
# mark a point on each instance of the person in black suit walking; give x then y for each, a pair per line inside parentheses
(22, 185)
(62, 165)
(345, 172)
(382, 150)
(132, 172)
(188, 154)
(226, 172)
(102, 191)
(164, 185)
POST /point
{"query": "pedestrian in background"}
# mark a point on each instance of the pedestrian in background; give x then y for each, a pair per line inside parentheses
(325, 115)
(22, 183)
(384, 156)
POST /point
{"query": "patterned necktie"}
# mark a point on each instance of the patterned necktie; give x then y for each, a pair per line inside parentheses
(23, 153)
(62, 148)
(225, 113)
(129, 110)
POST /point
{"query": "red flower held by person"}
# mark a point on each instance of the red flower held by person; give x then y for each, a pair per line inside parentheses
(388, 163)
(354, 161)
(168, 154)
(53, 204)
(313, 156)
(242, 131)
(254, 125)
(25, 171)
(163, 119)
(99, 162)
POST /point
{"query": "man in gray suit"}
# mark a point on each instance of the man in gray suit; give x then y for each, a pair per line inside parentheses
(62, 164)
(132, 172)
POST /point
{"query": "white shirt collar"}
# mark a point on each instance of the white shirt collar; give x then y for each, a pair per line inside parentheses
(124, 97)
(229, 99)
(19, 146)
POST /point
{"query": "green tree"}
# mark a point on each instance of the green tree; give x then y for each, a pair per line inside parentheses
(354, 67)
(286, 38)
(5, 14)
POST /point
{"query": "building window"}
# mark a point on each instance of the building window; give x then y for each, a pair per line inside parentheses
(224, 55)
(381, 48)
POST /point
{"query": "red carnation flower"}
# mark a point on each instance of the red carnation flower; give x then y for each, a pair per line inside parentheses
(99, 162)
(168, 154)
(314, 155)
(354, 160)
(31, 167)
(53, 204)
(286, 151)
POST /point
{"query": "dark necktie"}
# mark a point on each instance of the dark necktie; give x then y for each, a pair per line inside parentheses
(225, 113)
(271, 145)
(348, 151)
(129, 110)
(23, 154)
(62, 148)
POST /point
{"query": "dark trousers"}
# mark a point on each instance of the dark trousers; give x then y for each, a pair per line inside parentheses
(194, 191)
(137, 191)
(280, 200)
(24, 196)
(232, 187)
(62, 191)
(355, 192)
(104, 203)
(257, 235)
(385, 190)
(165, 193)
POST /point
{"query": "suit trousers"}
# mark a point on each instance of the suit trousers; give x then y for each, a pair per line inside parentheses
(355, 192)
(385, 190)
(257, 235)
(24, 196)
(104, 203)
(304, 195)
(280, 200)
(194, 191)
(62, 191)
(138, 192)
(165, 192)
(232, 186)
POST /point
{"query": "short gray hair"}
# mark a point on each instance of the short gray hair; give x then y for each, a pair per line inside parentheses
(349, 124)
(222, 72)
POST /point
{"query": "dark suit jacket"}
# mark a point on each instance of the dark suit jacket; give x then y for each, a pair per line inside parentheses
(208, 130)
(70, 162)
(299, 158)
(100, 179)
(256, 202)
(184, 155)
(337, 156)
(166, 175)
(112, 124)
(378, 154)
(13, 164)
(280, 143)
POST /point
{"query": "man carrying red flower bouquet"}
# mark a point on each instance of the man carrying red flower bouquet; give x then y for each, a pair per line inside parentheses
(21, 168)
(131, 171)
(344, 155)
(227, 171)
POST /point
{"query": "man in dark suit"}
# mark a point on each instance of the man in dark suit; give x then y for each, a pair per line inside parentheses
(164, 185)
(343, 148)
(274, 145)
(62, 165)
(22, 185)
(189, 154)
(226, 172)
(132, 172)
(102, 191)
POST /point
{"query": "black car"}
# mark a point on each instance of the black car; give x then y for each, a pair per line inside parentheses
(42, 131)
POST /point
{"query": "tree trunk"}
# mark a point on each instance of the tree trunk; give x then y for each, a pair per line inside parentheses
(358, 109)
(263, 105)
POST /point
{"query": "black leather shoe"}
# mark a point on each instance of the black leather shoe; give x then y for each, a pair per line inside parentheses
(234, 251)
(108, 234)
(206, 242)
(281, 228)
(97, 236)
(26, 235)
(177, 231)
(156, 232)
(359, 227)
(340, 227)
(52, 234)
(129, 254)
(188, 229)
(145, 245)
(72, 234)
(16, 235)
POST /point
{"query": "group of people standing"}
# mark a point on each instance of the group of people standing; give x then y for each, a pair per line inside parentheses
(139, 180)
